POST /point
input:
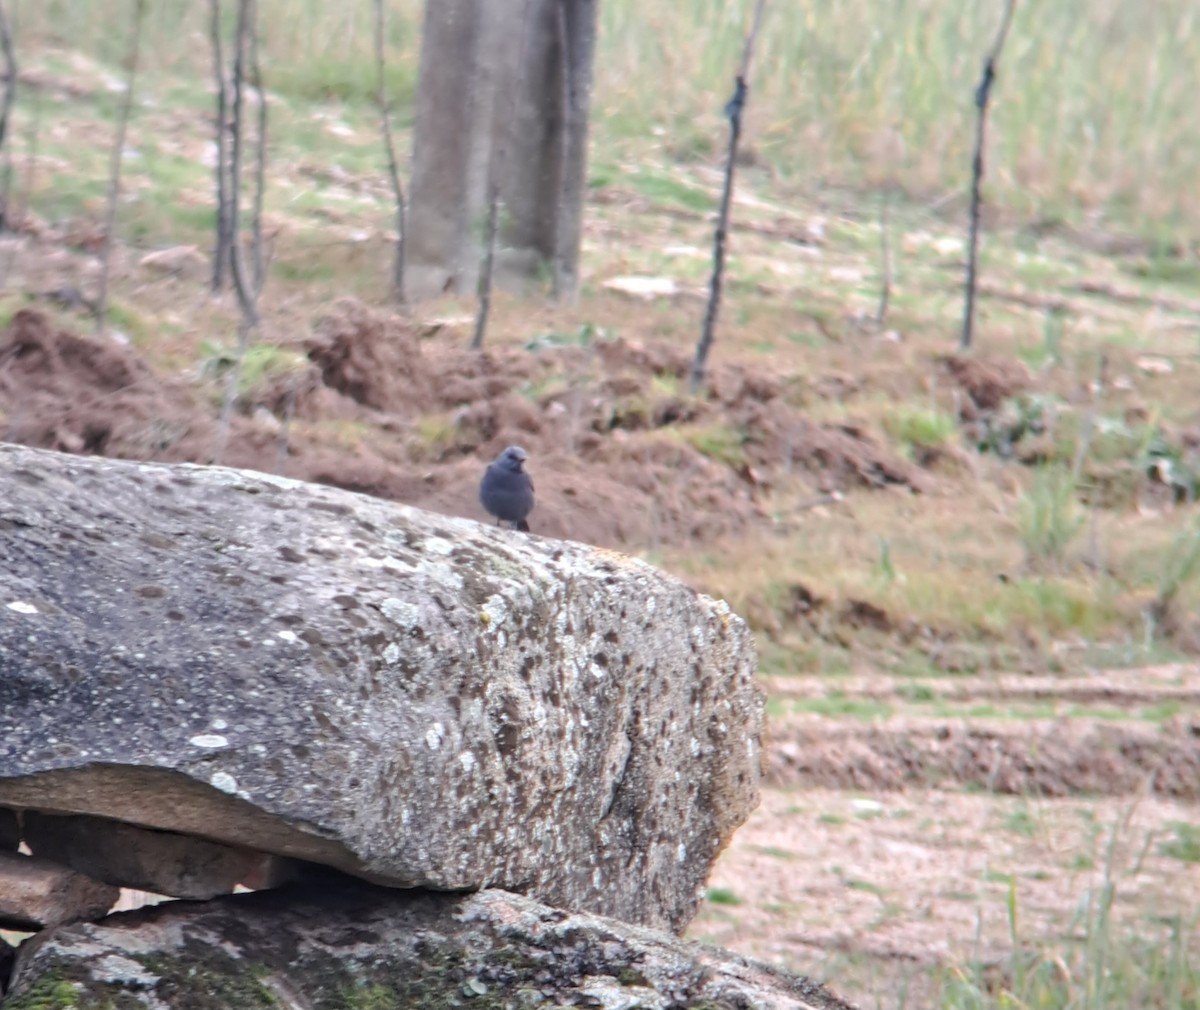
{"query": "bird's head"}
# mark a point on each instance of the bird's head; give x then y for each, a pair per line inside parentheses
(513, 458)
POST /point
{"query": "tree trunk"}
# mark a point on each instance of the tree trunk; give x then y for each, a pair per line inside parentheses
(577, 32)
(490, 82)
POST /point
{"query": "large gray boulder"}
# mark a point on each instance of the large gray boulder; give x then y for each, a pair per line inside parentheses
(414, 699)
(357, 946)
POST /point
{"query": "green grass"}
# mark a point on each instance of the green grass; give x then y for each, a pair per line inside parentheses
(917, 693)
(920, 427)
(1021, 822)
(718, 442)
(723, 896)
(775, 853)
(260, 362)
(435, 434)
(667, 189)
(828, 101)
(304, 271)
(1095, 964)
(1185, 846)
(1049, 517)
(1164, 267)
(1105, 970)
(133, 324)
(330, 78)
(834, 704)
(1161, 712)
(867, 886)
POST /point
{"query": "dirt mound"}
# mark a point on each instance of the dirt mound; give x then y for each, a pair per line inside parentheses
(621, 355)
(621, 454)
(1047, 761)
(988, 382)
(374, 359)
(839, 455)
(61, 390)
(640, 494)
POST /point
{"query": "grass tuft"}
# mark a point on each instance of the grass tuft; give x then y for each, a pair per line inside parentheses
(1049, 517)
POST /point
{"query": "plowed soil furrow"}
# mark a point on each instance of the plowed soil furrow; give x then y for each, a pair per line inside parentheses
(913, 825)
(1151, 686)
(1041, 758)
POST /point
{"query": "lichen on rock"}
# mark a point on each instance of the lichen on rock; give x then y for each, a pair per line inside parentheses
(346, 945)
(417, 700)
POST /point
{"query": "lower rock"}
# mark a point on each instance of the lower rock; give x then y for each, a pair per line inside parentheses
(341, 943)
(7, 957)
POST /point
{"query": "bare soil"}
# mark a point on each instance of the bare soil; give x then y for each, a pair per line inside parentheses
(425, 414)
(883, 892)
(891, 847)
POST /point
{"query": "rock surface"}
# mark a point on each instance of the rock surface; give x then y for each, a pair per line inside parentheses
(35, 893)
(351, 945)
(415, 699)
(8, 956)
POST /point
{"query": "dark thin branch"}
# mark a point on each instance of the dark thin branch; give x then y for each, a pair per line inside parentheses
(247, 292)
(389, 146)
(885, 256)
(15, 217)
(733, 110)
(289, 410)
(258, 262)
(10, 74)
(982, 95)
(221, 253)
(244, 289)
(496, 165)
(10, 94)
(231, 390)
(485, 271)
(114, 176)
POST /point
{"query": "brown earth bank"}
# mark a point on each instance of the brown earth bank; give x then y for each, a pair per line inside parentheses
(620, 453)
(1101, 733)
(1043, 758)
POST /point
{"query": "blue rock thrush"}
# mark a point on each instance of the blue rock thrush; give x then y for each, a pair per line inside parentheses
(506, 490)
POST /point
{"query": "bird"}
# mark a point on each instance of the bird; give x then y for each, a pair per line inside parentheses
(506, 490)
